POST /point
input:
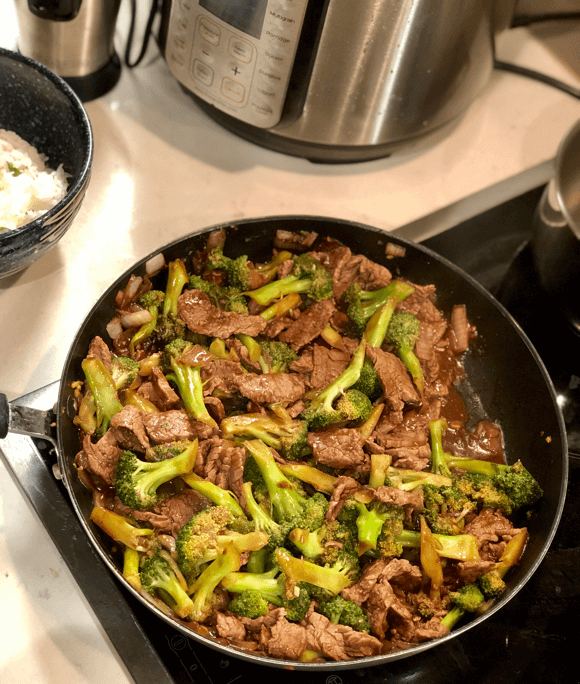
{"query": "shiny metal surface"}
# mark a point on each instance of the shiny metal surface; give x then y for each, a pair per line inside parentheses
(384, 75)
(395, 70)
(556, 234)
(71, 49)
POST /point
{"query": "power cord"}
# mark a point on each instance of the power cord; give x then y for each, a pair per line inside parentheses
(146, 35)
(527, 20)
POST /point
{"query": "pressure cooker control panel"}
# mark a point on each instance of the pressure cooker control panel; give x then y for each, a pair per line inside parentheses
(238, 56)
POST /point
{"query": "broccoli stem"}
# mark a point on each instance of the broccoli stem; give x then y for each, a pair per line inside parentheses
(265, 583)
(188, 380)
(430, 560)
(460, 546)
(323, 482)
(379, 465)
(262, 521)
(281, 306)
(132, 397)
(300, 570)
(177, 279)
(306, 542)
(439, 464)
(131, 567)
(366, 429)
(279, 288)
(369, 525)
(122, 530)
(285, 500)
(217, 495)
(102, 387)
(203, 587)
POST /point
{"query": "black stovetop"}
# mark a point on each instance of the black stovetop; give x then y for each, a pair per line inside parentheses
(529, 640)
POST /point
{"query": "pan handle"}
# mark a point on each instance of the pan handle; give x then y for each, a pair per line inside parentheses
(23, 420)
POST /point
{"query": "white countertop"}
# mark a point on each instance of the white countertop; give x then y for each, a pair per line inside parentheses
(163, 169)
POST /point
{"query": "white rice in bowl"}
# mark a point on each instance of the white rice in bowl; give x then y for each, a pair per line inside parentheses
(28, 187)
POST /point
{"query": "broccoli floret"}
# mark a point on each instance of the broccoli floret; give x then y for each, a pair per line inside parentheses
(491, 584)
(511, 485)
(354, 405)
(308, 277)
(273, 587)
(124, 371)
(167, 325)
(250, 604)
(321, 411)
(152, 298)
(370, 522)
(104, 393)
(240, 273)
(467, 599)
(157, 576)
(137, 482)
(319, 544)
(205, 536)
(275, 356)
(188, 380)
(363, 305)
(224, 298)
(123, 530)
(341, 611)
(287, 436)
(160, 452)
(388, 542)
(445, 508)
(402, 333)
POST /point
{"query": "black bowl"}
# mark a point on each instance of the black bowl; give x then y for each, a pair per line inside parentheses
(42, 109)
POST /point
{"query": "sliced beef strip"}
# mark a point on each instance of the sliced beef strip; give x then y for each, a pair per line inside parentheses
(271, 388)
(180, 508)
(432, 629)
(277, 325)
(174, 426)
(305, 363)
(430, 335)
(294, 241)
(469, 571)
(283, 639)
(338, 447)
(396, 382)
(334, 261)
(401, 621)
(129, 430)
(223, 464)
(100, 459)
(412, 501)
(396, 571)
(160, 521)
(327, 365)
(492, 530)
(358, 268)
(195, 308)
(343, 488)
(309, 324)
(220, 374)
(228, 626)
(381, 598)
(410, 458)
(98, 349)
(338, 642)
(158, 391)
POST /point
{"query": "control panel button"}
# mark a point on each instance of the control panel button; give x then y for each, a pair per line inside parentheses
(232, 90)
(241, 49)
(202, 72)
(209, 31)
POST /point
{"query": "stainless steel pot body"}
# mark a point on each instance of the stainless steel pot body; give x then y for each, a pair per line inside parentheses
(519, 395)
(370, 78)
(556, 230)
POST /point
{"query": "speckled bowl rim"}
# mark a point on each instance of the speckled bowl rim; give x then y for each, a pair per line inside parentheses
(73, 190)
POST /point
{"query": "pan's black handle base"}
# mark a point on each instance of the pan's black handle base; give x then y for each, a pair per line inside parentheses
(4, 416)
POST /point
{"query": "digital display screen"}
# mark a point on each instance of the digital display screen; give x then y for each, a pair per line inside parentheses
(245, 15)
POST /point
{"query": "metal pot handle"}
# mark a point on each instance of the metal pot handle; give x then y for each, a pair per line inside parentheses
(23, 420)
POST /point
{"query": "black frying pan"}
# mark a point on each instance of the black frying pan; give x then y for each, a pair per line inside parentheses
(506, 382)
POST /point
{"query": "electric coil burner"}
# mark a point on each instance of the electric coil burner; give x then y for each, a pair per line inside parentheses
(530, 640)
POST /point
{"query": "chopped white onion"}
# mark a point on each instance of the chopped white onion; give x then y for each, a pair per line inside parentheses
(114, 328)
(132, 288)
(136, 319)
(155, 264)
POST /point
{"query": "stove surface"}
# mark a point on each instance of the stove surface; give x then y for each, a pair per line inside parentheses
(529, 640)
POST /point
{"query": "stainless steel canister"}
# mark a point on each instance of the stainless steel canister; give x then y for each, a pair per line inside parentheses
(556, 231)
